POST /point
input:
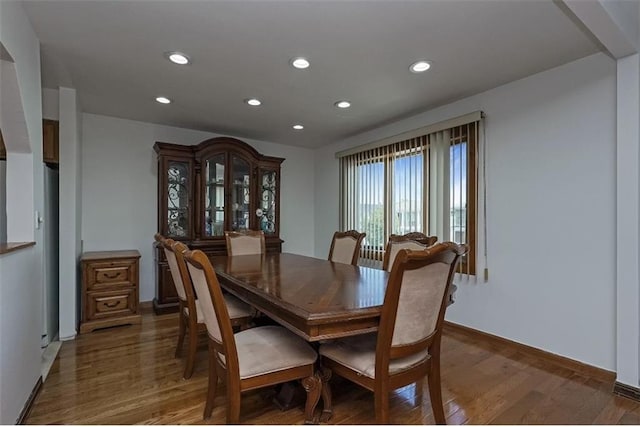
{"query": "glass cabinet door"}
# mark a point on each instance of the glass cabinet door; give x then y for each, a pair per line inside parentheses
(178, 209)
(266, 212)
(214, 197)
(240, 194)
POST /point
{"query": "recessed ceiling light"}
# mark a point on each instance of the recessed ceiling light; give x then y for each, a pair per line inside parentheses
(300, 63)
(163, 100)
(178, 58)
(253, 102)
(343, 104)
(420, 66)
(298, 127)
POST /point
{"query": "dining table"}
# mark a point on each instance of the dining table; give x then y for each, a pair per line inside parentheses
(314, 298)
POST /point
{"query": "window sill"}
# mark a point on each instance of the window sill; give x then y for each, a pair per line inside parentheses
(8, 247)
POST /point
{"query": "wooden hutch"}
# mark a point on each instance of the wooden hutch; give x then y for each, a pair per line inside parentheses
(206, 189)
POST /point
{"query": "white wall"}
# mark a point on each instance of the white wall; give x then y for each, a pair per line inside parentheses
(551, 209)
(20, 162)
(119, 188)
(50, 104)
(628, 227)
(21, 272)
(20, 299)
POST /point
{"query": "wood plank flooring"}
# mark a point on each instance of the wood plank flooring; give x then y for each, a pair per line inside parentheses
(128, 375)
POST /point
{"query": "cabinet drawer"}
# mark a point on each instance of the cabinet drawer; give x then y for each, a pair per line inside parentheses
(109, 274)
(121, 302)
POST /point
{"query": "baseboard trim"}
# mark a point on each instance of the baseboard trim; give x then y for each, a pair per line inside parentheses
(27, 407)
(580, 367)
(626, 390)
(146, 307)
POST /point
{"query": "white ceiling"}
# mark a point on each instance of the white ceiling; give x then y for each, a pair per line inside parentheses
(112, 53)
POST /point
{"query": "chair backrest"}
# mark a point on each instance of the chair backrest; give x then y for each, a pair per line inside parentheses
(415, 241)
(214, 309)
(179, 279)
(345, 247)
(249, 242)
(415, 301)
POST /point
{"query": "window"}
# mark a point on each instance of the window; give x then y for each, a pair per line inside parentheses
(425, 183)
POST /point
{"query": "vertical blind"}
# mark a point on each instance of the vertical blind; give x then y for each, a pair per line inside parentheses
(425, 183)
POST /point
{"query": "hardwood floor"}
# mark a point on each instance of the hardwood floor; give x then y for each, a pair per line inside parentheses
(128, 375)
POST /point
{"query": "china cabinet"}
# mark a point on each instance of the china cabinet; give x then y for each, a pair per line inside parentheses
(206, 189)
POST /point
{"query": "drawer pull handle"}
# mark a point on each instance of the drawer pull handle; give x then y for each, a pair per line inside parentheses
(112, 304)
(112, 276)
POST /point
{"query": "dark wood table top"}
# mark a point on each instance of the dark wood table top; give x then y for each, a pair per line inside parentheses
(315, 298)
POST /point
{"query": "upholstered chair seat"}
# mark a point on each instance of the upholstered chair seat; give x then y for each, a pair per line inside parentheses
(359, 354)
(269, 349)
(237, 309)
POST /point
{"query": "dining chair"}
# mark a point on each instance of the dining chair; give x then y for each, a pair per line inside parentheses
(345, 246)
(415, 241)
(249, 242)
(406, 347)
(241, 313)
(250, 359)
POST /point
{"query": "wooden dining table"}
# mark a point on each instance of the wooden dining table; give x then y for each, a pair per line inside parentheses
(314, 298)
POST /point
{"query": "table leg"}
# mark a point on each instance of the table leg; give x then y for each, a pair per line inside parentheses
(313, 386)
(327, 406)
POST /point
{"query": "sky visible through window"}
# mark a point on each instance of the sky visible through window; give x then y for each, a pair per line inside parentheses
(407, 184)
(458, 192)
(458, 177)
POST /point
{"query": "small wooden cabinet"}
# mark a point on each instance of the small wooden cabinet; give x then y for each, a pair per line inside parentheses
(50, 141)
(206, 189)
(109, 289)
(3, 150)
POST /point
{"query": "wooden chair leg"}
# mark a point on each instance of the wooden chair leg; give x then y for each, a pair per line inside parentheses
(233, 401)
(312, 385)
(435, 386)
(213, 383)
(435, 392)
(381, 398)
(193, 348)
(182, 327)
(327, 405)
